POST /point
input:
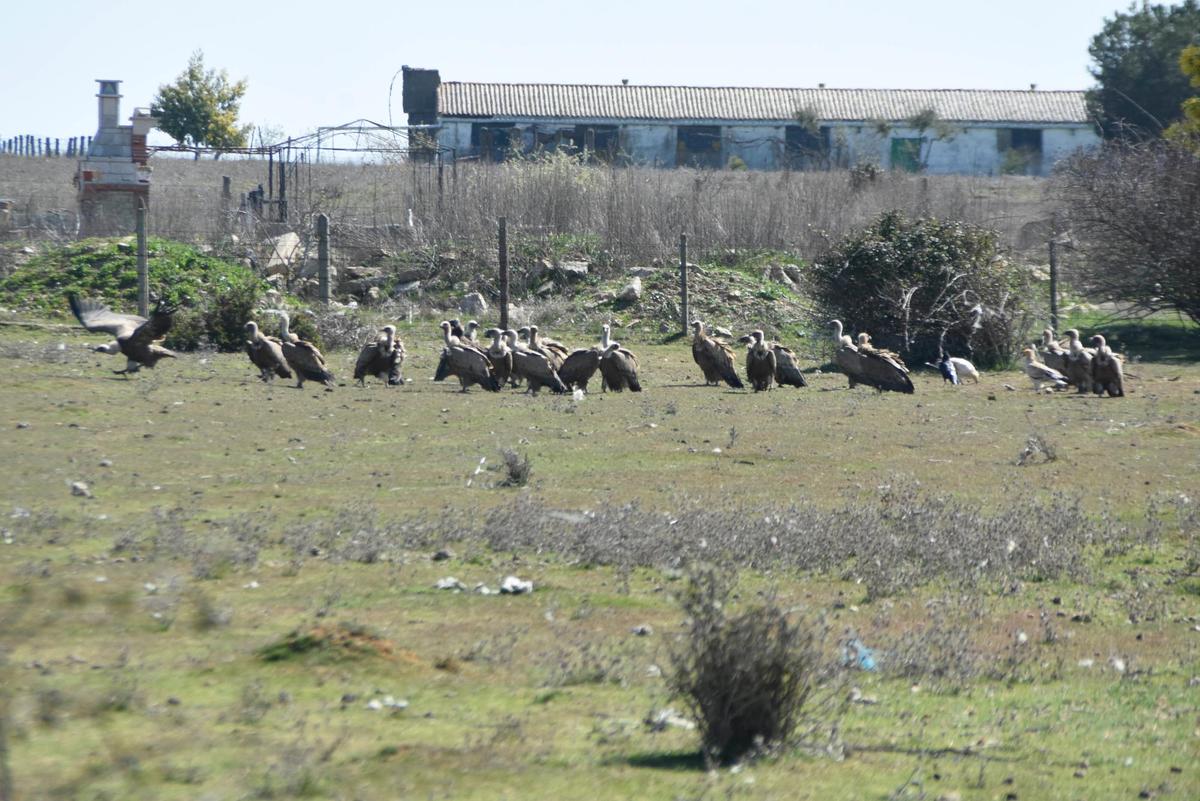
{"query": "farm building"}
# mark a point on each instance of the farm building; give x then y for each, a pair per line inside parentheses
(967, 131)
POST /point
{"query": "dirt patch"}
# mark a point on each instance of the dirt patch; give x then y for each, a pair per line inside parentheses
(343, 641)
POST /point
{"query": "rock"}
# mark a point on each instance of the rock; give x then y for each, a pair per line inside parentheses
(409, 275)
(473, 303)
(792, 272)
(450, 583)
(359, 272)
(284, 250)
(643, 272)
(515, 586)
(545, 289)
(777, 274)
(664, 328)
(572, 270)
(644, 630)
(374, 294)
(442, 555)
(660, 720)
(632, 292)
(949, 797)
(405, 288)
(719, 331)
(80, 489)
(106, 463)
(22, 424)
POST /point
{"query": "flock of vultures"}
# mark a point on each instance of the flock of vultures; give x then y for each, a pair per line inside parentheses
(525, 356)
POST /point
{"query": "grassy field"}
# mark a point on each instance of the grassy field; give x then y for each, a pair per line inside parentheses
(255, 565)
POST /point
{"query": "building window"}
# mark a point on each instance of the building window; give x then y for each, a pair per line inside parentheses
(906, 153)
(601, 141)
(805, 149)
(698, 146)
(494, 140)
(1020, 150)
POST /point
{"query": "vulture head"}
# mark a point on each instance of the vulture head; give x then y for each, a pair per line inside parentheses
(698, 328)
(523, 332)
(252, 329)
(612, 348)
(472, 327)
(864, 339)
(1047, 336)
(445, 326)
(605, 333)
(510, 336)
(1098, 341)
(1029, 356)
(110, 348)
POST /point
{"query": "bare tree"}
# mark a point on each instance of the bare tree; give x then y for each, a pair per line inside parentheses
(1134, 209)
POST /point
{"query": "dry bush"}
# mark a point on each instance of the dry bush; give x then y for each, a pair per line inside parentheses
(744, 677)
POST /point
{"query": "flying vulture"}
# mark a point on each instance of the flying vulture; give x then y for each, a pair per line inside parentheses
(136, 337)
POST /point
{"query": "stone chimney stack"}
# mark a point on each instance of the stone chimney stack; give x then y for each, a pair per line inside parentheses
(110, 103)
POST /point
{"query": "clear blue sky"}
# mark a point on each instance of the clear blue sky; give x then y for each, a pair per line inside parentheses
(325, 63)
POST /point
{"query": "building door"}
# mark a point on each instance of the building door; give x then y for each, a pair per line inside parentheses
(906, 153)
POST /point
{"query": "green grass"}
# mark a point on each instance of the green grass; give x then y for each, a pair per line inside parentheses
(1160, 338)
(118, 691)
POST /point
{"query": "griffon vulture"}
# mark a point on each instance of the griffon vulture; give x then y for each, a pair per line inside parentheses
(619, 368)
(760, 362)
(1041, 374)
(553, 350)
(499, 355)
(1107, 373)
(534, 367)
(266, 353)
(302, 356)
(1053, 354)
(136, 337)
(468, 363)
(1079, 363)
(382, 358)
(869, 367)
(715, 358)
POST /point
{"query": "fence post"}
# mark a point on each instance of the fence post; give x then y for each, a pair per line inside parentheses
(226, 200)
(503, 249)
(143, 278)
(1054, 275)
(323, 258)
(683, 287)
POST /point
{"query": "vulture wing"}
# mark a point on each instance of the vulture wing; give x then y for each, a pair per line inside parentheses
(787, 369)
(95, 316)
(760, 368)
(155, 328)
(620, 371)
(579, 367)
(720, 357)
(537, 370)
(365, 365)
(307, 361)
(882, 372)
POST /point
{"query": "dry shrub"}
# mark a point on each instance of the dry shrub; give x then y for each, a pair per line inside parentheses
(517, 469)
(744, 677)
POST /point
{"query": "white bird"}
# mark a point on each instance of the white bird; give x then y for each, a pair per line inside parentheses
(1041, 374)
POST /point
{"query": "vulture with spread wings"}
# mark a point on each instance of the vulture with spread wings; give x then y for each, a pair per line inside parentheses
(136, 337)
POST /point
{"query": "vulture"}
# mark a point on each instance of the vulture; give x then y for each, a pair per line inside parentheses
(534, 367)
(472, 327)
(1107, 372)
(467, 362)
(760, 362)
(266, 353)
(382, 358)
(555, 351)
(499, 355)
(870, 367)
(1079, 363)
(619, 368)
(1041, 374)
(303, 357)
(579, 367)
(715, 358)
(136, 337)
(1053, 354)
(864, 345)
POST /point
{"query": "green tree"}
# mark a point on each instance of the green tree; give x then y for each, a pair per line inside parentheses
(1139, 86)
(200, 108)
(1187, 130)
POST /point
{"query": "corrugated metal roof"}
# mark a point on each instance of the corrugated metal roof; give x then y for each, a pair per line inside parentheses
(618, 102)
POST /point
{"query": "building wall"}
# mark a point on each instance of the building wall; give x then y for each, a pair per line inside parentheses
(969, 149)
